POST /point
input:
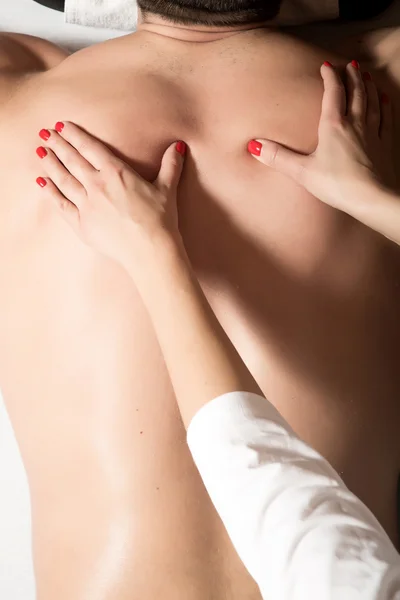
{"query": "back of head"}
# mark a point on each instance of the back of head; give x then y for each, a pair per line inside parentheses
(212, 12)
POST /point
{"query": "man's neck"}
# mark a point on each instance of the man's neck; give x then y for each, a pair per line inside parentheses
(191, 33)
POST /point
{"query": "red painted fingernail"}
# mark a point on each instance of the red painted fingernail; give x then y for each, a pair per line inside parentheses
(42, 182)
(367, 76)
(254, 147)
(385, 99)
(181, 147)
(41, 152)
(59, 127)
(328, 64)
(44, 134)
(355, 64)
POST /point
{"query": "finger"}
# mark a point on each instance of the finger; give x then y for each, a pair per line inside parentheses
(334, 98)
(387, 121)
(95, 152)
(67, 184)
(171, 167)
(279, 158)
(74, 162)
(373, 111)
(356, 95)
(67, 209)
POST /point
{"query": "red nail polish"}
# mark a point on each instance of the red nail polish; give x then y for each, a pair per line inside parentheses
(254, 147)
(328, 64)
(44, 134)
(355, 64)
(385, 99)
(181, 147)
(42, 182)
(41, 152)
(59, 127)
(367, 76)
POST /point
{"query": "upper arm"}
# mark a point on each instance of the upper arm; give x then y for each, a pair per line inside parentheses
(21, 55)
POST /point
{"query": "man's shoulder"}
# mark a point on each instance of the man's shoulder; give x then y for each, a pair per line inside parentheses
(23, 55)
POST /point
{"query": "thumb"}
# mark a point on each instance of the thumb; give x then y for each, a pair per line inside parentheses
(279, 157)
(70, 214)
(171, 167)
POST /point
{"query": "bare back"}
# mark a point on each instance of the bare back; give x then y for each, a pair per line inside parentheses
(308, 296)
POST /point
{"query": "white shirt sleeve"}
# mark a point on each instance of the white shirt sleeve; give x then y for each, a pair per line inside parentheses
(297, 528)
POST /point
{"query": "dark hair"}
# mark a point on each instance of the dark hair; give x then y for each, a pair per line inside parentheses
(212, 12)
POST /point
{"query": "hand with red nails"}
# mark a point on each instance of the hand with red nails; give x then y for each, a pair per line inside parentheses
(352, 168)
(108, 205)
(119, 214)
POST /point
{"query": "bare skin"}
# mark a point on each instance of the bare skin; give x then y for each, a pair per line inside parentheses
(308, 296)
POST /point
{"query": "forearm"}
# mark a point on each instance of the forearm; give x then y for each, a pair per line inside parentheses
(201, 360)
(379, 210)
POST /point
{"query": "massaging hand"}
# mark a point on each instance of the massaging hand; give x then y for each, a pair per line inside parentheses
(354, 148)
(107, 203)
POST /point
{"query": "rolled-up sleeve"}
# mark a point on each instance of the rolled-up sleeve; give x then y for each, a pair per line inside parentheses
(297, 528)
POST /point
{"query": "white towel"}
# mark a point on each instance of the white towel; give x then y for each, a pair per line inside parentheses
(122, 14)
(108, 14)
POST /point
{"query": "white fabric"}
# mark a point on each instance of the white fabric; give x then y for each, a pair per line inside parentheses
(299, 531)
(25, 16)
(109, 14)
(122, 14)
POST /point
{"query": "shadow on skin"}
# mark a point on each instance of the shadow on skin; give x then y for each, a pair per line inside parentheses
(23, 54)
(278, 304)
(310, 327)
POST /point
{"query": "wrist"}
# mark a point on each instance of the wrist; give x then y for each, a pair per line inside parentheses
(380, 210)
(363, 195)
(369, 194)
(154, 257)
